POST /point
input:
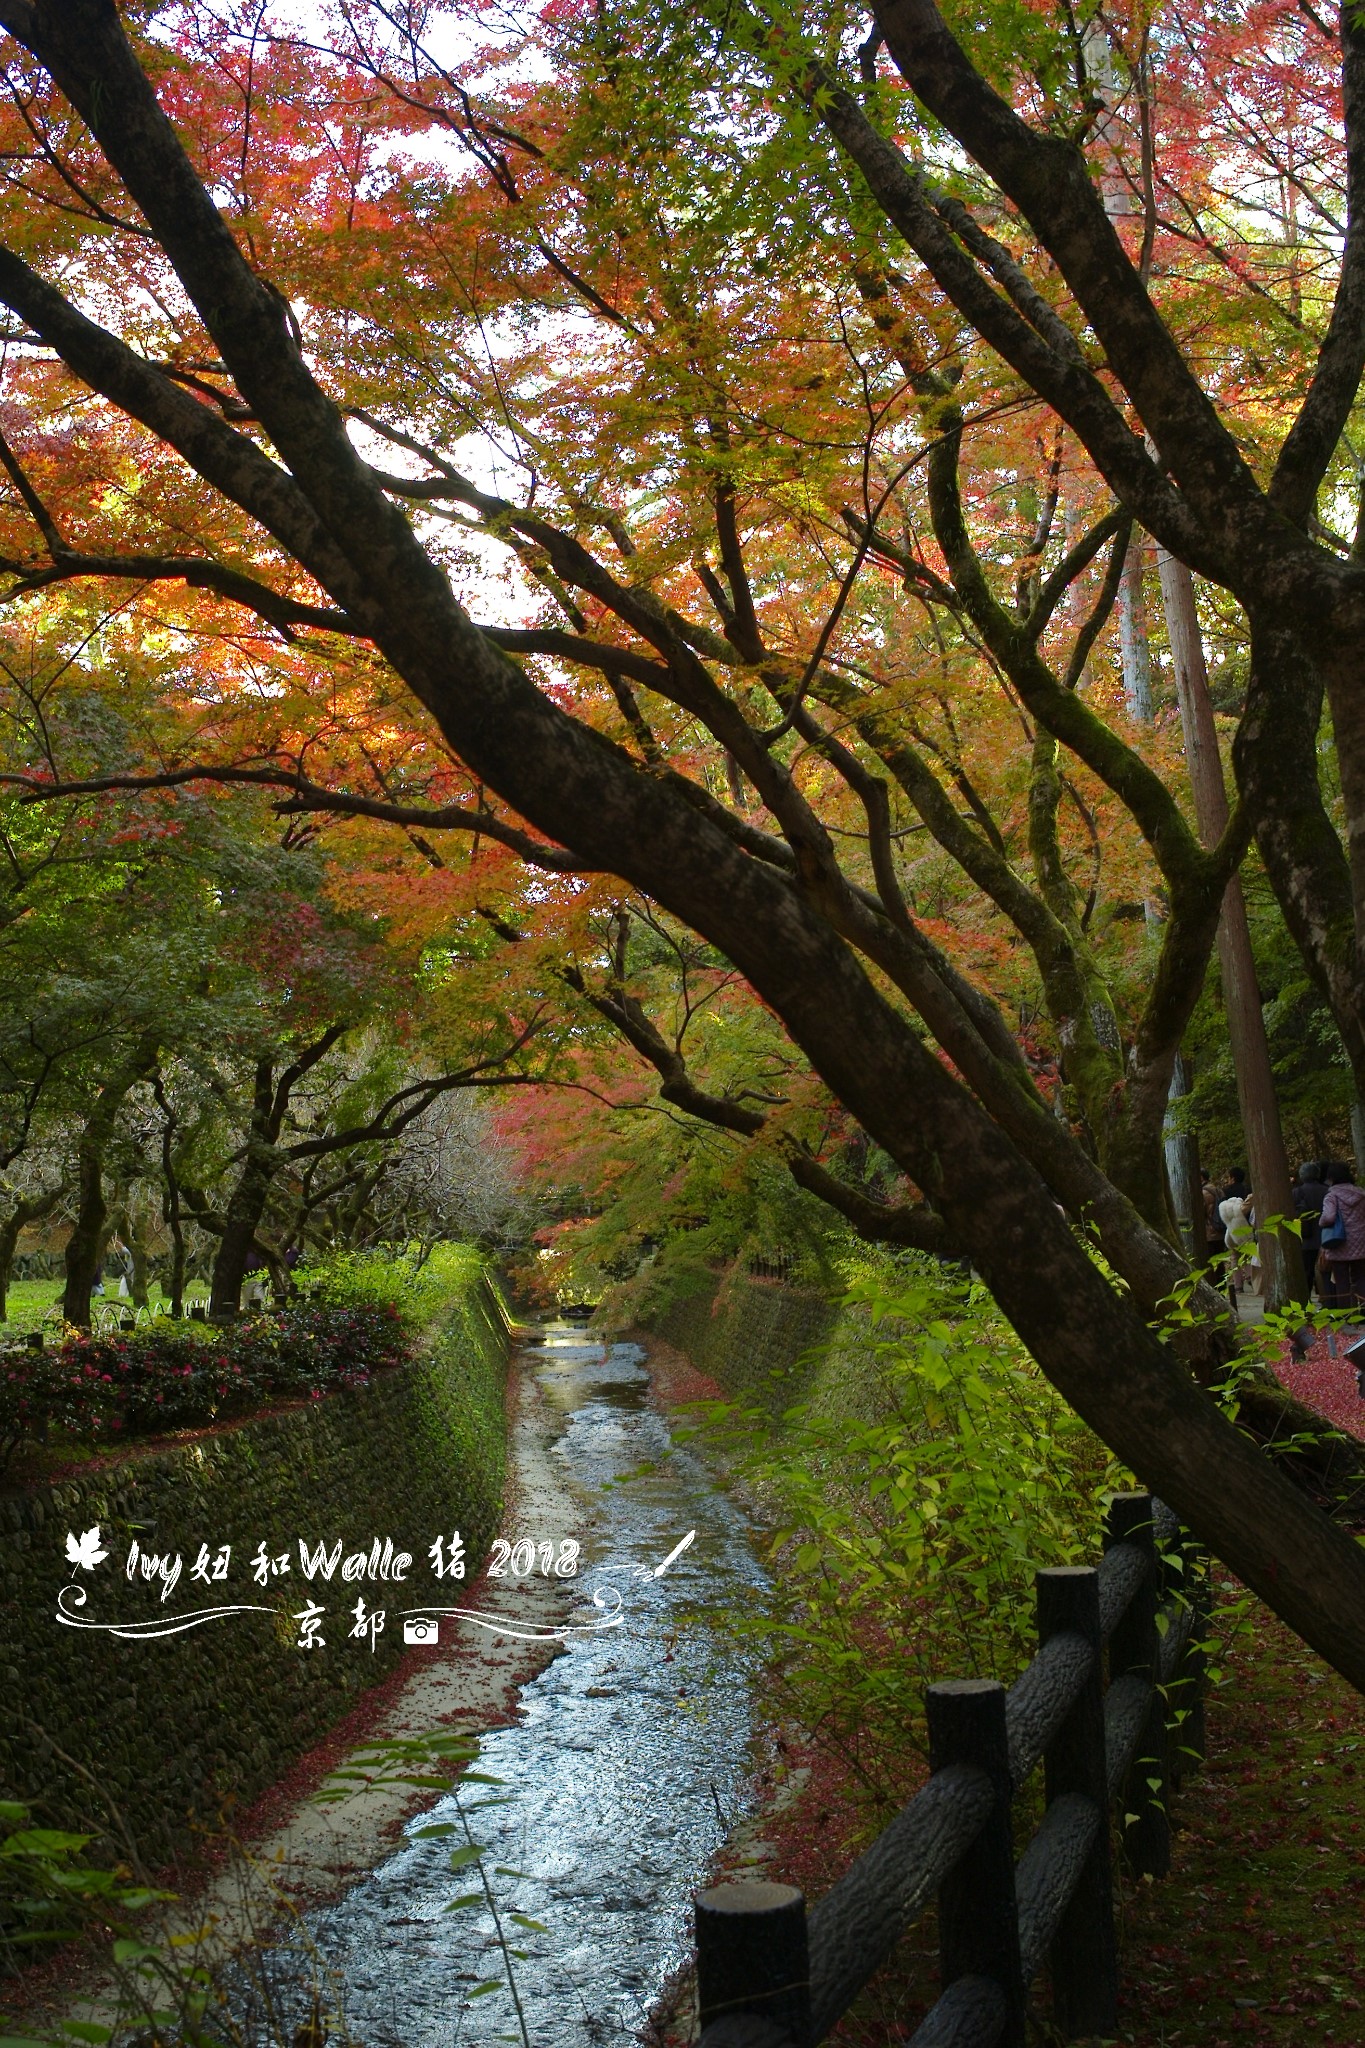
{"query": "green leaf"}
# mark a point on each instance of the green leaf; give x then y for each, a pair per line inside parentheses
(488, 1984)
(465, 1899)
(525, 1920)
(45, 1842)
(133, 1952)
(460, 1859)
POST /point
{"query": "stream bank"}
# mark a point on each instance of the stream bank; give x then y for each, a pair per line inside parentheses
(626, 1765)
(624, 1751)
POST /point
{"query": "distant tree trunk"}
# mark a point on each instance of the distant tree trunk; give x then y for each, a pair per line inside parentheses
(238, 1248)
(27, 1209)
(1133, 642)
(1267, 1162)
(86, 1242)
(9, 1238)
(176, 1227)
(1135, 652)
(170, 1198)
(133, 1231)
(89, 1230)
(1182, 1169)
(238, 1251)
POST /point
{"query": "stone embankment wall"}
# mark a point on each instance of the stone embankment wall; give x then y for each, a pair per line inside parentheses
(773, 1346)
(179, 1731)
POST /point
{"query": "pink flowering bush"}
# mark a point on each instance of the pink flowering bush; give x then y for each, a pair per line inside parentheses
(146, 1381)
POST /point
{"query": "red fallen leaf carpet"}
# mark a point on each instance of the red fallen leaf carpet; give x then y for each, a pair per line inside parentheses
(1326, 1381)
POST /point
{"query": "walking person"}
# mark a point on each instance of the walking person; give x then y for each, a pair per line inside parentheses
(1310, 1192)
(1244, 1257)
(121, 1259)
(1342, 1236)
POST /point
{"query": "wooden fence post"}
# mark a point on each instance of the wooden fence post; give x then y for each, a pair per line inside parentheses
(1133, 1647)
(1083, 1959)
(752, 1956)
(978, 1918)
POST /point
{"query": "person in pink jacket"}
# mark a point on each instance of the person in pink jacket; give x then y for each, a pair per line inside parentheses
(1342, 1230)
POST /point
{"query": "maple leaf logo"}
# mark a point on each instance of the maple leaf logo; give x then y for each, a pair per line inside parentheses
(85, 1550)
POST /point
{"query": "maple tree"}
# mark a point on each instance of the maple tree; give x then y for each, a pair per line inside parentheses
(264, 287)
(189, 1005)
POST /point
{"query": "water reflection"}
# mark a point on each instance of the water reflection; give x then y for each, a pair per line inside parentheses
(630, 1748)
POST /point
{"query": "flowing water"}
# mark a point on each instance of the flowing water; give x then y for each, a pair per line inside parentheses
(626, 1766)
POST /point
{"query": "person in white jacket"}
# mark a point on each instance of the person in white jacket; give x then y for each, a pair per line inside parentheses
(1244, 1257)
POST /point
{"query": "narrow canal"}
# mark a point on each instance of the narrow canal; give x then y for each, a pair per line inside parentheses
(628, 1761)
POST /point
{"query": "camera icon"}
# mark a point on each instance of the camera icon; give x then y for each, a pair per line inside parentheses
(422, 1631)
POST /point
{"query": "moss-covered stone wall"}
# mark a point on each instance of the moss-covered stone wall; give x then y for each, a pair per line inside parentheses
(180, 1729)
(759, 1338)
(773, 1347)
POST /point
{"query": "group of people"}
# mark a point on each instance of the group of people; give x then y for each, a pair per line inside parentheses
(1330, 1210)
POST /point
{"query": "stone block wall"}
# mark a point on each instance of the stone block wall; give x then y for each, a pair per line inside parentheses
(180, 1729)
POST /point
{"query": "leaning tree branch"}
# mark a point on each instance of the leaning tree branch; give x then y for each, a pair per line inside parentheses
(1049, 180)
(1312, 441)
(305, 795)
(286, 614)
(1067, 383)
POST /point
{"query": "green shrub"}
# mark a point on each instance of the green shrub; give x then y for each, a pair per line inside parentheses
(421, 1287)
(48, 1892)
(907, 1541)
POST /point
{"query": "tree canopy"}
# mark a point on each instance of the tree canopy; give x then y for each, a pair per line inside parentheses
(698, 465)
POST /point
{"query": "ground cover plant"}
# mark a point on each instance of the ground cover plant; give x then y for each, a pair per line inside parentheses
(359, 1316)
(1255, 1935)
(904, 1538)
(142, 1382)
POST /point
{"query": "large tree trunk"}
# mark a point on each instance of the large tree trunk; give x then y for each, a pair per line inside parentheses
(132, 1228)
(238, 1251)
(86, 1240)
(1276, 757)
(246, 1205)
(1169, 1189)
(170, 1200)
(9, 1239)
(1267, 1161)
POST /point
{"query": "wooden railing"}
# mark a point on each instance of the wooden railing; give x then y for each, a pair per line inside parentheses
(771, 1975)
